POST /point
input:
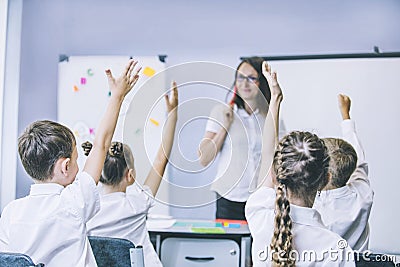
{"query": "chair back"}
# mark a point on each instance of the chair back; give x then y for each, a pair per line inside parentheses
(109, 251)
(8, 259)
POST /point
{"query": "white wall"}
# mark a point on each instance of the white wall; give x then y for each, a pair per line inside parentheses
(10, 103)
(3, 34)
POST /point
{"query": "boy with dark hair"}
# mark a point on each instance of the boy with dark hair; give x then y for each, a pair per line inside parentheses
(49, 224)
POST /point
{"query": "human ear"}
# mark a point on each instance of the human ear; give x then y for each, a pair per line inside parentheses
(65, 165)
(131, 176)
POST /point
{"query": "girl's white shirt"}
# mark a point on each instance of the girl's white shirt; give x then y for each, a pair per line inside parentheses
(310, 237)
(123, 215)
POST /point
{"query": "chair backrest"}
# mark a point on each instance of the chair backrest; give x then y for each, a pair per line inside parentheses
(372, 260)
(8, 259)
(110, 251)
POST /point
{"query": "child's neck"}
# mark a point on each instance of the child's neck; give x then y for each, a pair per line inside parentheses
(329, 187)
(108, 189)
(302, 202)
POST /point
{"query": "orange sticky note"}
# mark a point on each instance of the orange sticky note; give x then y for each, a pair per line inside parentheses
(156, 123)
(149, 71)
(76, 89)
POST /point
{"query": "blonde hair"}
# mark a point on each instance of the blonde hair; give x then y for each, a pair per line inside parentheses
(301, 168)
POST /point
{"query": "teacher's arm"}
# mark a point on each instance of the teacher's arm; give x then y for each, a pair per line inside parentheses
(212, 142)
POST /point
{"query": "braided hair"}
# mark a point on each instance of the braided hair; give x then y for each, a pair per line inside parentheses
(301, 165)
(116, 163)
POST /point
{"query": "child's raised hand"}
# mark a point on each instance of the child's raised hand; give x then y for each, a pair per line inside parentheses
(344, 106)
(272, 79)
(172, 102)
(121, 86)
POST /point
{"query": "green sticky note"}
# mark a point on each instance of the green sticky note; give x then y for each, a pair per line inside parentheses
(208, 230)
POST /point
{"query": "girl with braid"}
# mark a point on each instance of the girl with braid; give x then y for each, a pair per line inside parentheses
(124, 204)
(286, 231)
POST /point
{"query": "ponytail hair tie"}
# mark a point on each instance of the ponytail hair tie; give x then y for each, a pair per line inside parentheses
(116, 149)
(86, 146)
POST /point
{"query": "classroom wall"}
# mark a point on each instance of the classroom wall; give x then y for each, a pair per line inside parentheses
(220, 31)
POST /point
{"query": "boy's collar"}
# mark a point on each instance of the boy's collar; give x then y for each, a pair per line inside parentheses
(46, 189)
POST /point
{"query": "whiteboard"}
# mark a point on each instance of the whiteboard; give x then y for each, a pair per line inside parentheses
(82, 99)
(310, 89)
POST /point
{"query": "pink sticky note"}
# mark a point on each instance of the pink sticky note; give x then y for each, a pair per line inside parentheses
(83, 80)
(91, 130)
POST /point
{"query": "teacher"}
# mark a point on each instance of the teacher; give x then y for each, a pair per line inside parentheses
(234, 132)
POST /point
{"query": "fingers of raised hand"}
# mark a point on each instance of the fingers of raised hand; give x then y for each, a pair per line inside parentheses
(133, 78)
(109, 74)
(174, 93)
(274, 76)
(128, 69)
(266, 68)
(166, 97)
(344, 100)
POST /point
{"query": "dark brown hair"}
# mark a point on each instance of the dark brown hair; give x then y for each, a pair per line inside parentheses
(263, 99)
(41, 145)
(115, 164)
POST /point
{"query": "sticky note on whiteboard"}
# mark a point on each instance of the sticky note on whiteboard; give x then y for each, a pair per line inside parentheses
(156, 123)
(149, 71)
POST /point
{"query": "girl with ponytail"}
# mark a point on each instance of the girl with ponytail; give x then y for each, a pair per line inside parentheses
(124, 205)
(286, 230)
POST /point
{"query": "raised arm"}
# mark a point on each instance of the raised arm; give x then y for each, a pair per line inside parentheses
(212, 142)
(348, 127)
(350, 135)
(156, 173)
(271, 127)
(119, 88)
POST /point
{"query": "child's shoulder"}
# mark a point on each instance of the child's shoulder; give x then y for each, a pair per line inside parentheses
(13, 207)
(140, 196)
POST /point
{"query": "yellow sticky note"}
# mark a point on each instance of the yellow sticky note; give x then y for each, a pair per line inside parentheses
(149, 71)
(156, 123)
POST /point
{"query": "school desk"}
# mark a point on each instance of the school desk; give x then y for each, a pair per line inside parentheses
(202, 243)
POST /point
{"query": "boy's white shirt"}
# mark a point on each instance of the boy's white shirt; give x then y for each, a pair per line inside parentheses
(49, 224)
(123, 215)
(346, 210)
(309, 234)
